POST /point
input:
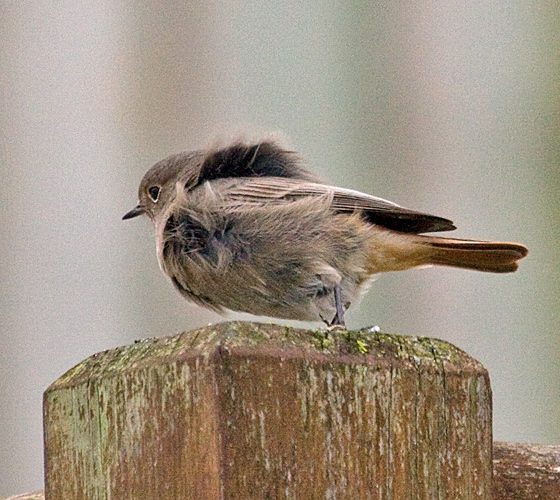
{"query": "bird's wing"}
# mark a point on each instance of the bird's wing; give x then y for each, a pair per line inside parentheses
(376, 210)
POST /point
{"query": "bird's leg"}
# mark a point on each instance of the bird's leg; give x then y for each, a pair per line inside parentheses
(338, 319)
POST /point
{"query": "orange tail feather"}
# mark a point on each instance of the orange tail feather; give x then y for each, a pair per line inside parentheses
(488, 256)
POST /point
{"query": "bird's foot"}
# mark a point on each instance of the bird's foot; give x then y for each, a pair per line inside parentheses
(338, 320)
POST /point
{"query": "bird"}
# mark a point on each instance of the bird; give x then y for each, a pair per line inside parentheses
(245, 226)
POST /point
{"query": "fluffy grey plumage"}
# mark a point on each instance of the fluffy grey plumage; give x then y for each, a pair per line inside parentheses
(246, 227)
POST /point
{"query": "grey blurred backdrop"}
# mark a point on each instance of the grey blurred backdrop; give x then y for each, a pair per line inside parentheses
(446, 107)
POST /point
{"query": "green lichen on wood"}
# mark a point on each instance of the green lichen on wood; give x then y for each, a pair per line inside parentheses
(415, 350)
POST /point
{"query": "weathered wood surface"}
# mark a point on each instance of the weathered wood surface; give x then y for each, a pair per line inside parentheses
(526, 471)
(521, 472)
(244, 410)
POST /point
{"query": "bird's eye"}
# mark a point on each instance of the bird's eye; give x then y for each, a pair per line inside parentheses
(153, 193)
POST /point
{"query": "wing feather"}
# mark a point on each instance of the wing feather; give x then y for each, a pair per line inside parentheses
(376, 210)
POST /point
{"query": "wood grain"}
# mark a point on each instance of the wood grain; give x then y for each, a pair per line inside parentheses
(245, 410)
(526, 471)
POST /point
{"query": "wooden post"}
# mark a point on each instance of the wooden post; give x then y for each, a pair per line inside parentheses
(245, 410)
(526, 471)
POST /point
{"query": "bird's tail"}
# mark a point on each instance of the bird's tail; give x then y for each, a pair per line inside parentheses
(487, 256)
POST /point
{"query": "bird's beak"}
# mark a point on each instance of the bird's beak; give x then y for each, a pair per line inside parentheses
(135, 212)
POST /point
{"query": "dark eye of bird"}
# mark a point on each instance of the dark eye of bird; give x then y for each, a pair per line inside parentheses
(153, 192)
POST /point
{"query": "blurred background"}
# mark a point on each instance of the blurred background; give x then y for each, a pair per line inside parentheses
(443, 107)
